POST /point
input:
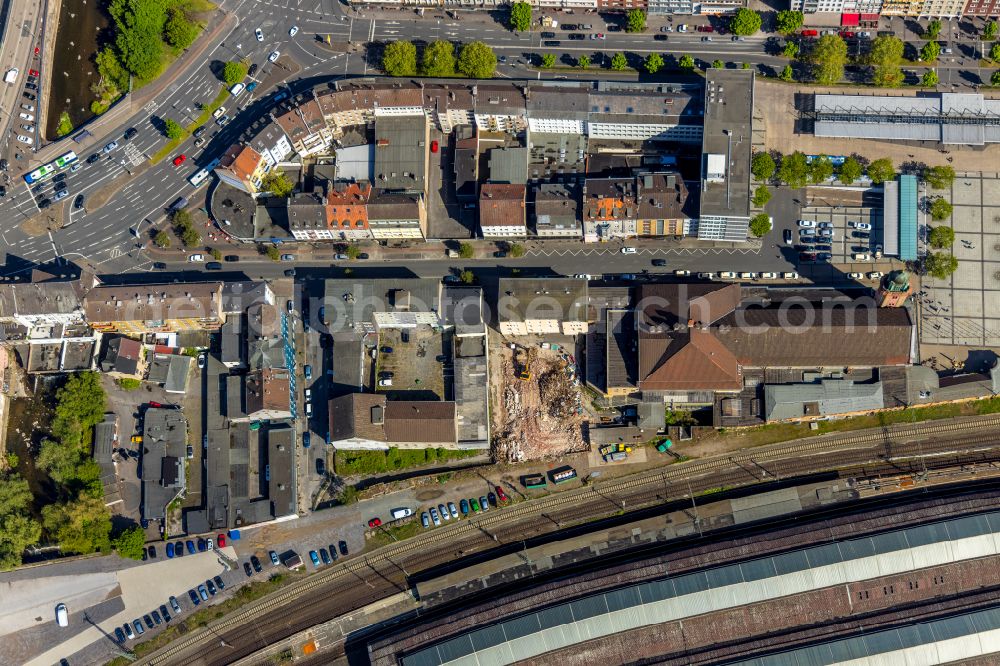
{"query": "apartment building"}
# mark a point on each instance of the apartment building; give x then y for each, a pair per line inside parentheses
(397, 216)
(662, 198)
(502, 211)
(609, 209)
(242, 167)
(347, 205)
(540, 306)
(155, 308)
(306, 128)
(557, 211)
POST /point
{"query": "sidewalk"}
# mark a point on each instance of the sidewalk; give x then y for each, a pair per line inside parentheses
(132, 103)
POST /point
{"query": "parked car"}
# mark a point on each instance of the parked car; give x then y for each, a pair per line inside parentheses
(211, 587)
(170, 549)
(247, 570)
(501, 494)
(195, 599)
(218, 581)
(434, 516)
(259, 34)
(174, 605)
(484, 503)
(255, 562)
(138, 627)
(425, 520)
(274, 56)
(343, 547)
(156, 617)
(463, 505)
(314, 556)
(443, 510)
(203, 593)
(475, 505)
(323, 555)
(274, 557)
(453, 509)
(119, 635)
(374, 522)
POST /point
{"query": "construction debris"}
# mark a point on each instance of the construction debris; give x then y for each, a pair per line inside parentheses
(537, 411)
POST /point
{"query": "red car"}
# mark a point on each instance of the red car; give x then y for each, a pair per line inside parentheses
(434, 146)
(179, 160)
(374, 522)
(221, 543)
(33, 72)
(501, 494)
(154, 404)
(846, 33)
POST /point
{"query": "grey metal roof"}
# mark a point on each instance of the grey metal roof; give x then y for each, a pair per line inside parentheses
(727, 132)
(508, 165)
(462, 307)
(177, 374)
(677, 597)
(401, 153)
(38, 299)
(830, 396)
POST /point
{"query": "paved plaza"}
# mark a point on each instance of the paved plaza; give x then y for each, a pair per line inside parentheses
(965, 309)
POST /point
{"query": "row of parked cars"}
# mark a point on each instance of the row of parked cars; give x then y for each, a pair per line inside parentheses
(201, 545)
(473, 505)
(327, 556)
(154, 618)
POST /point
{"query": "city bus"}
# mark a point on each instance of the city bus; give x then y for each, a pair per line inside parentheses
(46, 170)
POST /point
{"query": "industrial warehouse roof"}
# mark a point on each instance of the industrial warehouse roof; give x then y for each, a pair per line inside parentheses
(401, 153)
(830, 396)
(961, 118)
(677, 597)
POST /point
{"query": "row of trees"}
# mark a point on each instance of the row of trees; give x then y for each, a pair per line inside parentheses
(475, 60)
(795, 170)
(146, 33)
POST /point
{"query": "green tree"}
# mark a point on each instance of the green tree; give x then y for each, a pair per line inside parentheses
(277, 183)
(850, 171)
(930, 52)
(940, 209)
(885, 58)
(466, 251)
(654, 63)
(786, 73)
(791, 50)
(161, 239)
(635, 20)
(65, 125)
(583, 62)
(80, 405)
(516, 250)
(520, 17)
(933, 29)
(820, 169)
(400, 59)
(272, 253)
(881, 170)
(760, 225)
(467, 277)
(794, 170)
(788, 21)
(619, 62)
(941, 265)
(82, 525)
(745, 22)
(439, 59)
(995, 78)
(190, 237)
(180, 32)
(995, 53)
(718, 64)
(941, 238)
(18, 529)
(990, 31)
(828, 58)
(139, 46)
(940, 177)
(929, 79)
(761, 196)
(477, 61)
(686, 62)
(173, 129)
(762, 166)
(233, 72)
(130, 543)
(548, 60)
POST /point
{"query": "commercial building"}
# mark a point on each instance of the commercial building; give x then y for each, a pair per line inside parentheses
(502, 211)
(662, 199)
(828, 397)
(309, 217)
(899, 217)
(242, 167)
(164, 444)
(370, 421)
(948, 118)
(402, 147)
(725, 181)
(609, 209)
(43, 304)
(155, 308)
(557, 211)
(539, 306)
(348, 211)
(397, 216)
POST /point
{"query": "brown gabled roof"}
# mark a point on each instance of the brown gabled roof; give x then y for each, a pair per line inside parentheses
(797, 337)
(695, 360)
(501, 205)
(665, 305)
(351, 415)
(268, 389)
(241, 161)
(420, 421)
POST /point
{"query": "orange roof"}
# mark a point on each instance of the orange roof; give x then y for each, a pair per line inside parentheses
(347, 207)
(241, 160)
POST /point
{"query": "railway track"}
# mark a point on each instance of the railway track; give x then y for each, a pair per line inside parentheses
(363, 580)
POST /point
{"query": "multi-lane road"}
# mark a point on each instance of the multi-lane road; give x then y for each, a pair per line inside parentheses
(122, 188)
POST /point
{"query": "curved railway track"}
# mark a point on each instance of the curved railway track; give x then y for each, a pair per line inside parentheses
(360, 581)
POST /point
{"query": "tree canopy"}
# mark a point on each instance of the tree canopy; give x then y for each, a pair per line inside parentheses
(828, 58)
(145, 31)
(82, 525)
(619, 62)
(930, 52)
(885, 58)
(277, 183)
(990, 30)
(762, 166)
(583, 62)
(477, 61)
(438, 59)
(745, 22)
(786, 73)
(941, 237)
(400, 59)
(995, 78)
(850, 171)
(172, 129)
(179, 31)
(788, 21)
(548, 60)
(654, 63)
(466, 251)
(940, 177)
(130, 542)
(761, 196)
(80, 405)
(794, 170)
(881, 170)
(933, 29)
(686, 62)
(930, 79)
(18, 529)
(760, 224)
(820, 169)
(233, 72)
(520, 17)
(940, 209)
(941, 264)
(635, 20)
(790, 50)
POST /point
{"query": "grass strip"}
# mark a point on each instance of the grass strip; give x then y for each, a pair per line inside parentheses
(203, 117)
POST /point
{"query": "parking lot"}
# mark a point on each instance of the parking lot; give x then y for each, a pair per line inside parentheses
(855, 231)
(416, 371)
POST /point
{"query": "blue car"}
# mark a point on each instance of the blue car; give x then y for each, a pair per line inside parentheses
(314, 557)
(190, 546)
(194, 597)
(305, 440)
(203, 593)
(119, 635)
(251, 86)
(308, 371)
(464, 506)
(202, 545)
(179, 549)
(170, 549)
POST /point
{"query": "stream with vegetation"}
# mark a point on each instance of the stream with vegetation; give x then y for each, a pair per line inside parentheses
(82, 25)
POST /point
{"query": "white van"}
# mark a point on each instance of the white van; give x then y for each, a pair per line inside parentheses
(402, 512)
(198, 178)
(861, 256)
(747, 276)
(790, 276)
(769, 276)
(236, 89)
(62, 615)
(727, 275)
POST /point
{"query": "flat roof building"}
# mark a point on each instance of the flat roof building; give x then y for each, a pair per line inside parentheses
(725, 181)
(401, 153)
